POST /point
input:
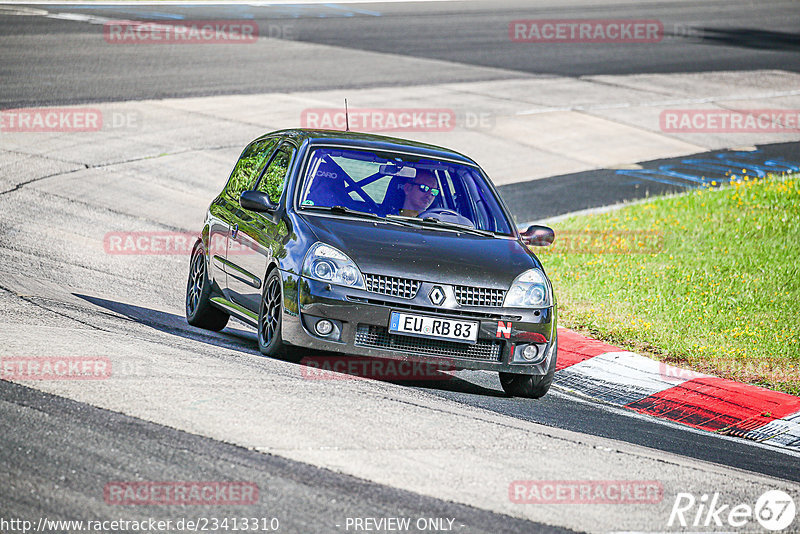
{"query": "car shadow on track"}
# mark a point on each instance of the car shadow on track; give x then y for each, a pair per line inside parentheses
(335, 366)
(313, 365)
(176, 325)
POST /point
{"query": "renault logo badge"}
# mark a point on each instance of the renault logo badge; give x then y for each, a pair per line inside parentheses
(437, 296)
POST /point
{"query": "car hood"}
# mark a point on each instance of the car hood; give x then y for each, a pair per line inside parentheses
(425, 254)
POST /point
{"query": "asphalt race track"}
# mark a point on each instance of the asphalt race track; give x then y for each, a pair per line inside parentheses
(49, 427)
(54, 61)
(188, 405)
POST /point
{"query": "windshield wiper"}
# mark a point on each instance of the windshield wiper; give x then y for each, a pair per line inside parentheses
(430, 221)
(344, 210)
(456, 226)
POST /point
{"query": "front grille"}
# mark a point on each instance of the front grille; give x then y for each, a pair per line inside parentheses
(479, 296)
(380, 338)
(428, 309)
(404, 288)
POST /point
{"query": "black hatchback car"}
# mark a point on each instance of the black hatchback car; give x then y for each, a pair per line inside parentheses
(373, 246)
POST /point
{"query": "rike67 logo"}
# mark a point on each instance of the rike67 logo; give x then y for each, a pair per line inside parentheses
(774, 510)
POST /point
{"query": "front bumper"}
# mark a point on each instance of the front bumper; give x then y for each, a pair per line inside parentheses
(361, 320)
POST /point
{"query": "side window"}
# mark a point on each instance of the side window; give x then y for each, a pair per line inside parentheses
(377, 189)
(274, 178)
(454, 189)
(249, 167)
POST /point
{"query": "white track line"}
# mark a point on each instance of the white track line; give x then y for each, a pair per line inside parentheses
(566, 393)
(661, 103)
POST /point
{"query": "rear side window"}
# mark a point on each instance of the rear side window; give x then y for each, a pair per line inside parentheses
(249, 167)
(274, 178)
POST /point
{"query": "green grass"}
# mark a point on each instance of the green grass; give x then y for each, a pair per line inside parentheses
(708, 280)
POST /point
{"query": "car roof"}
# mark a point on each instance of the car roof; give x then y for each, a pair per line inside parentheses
(366, 140)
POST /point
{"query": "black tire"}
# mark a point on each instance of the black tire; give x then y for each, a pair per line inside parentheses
(199, 310)
(530, 386)
(270, 317)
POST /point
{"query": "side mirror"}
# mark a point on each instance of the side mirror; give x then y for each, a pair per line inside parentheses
(257, 201)
(538, 236)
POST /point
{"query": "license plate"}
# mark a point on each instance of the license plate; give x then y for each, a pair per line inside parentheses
(434, 327)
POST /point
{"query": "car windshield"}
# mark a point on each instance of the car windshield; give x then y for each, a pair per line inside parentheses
(395, 186)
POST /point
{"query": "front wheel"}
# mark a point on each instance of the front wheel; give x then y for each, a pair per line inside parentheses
(530, 386)
(270, 315)
(199, 311)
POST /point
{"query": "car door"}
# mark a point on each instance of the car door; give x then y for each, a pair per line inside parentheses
(224, 209)
(258, 238)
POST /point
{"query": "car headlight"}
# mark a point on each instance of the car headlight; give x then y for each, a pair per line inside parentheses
(529, 290)
(328, 264)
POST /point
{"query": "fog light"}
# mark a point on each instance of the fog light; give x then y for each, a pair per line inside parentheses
(323, 327)
(530, 352)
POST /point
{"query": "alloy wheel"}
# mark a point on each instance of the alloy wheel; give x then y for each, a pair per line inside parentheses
(271, 305)
(196, 281)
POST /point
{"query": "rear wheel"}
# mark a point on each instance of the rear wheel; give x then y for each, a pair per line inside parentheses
(530, 386)
(199, 311)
